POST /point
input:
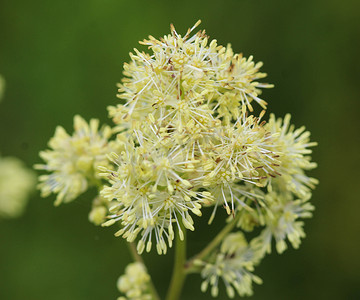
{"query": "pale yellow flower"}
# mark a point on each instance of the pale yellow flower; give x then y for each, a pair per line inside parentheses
(73, 159)
(283, 221)
(187, 78)
(190, 142)
(16, 183)
(233, 265)
(293, 145)
(153, 192)
(240, 154)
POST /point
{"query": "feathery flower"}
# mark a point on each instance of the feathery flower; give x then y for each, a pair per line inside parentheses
(234, 265)
(153, 191)
(188, 140)
(241, 154)
(187, 78)
(293, 144)
(73, 159)
(282, 221)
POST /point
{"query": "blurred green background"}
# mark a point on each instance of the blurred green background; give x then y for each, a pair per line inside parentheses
(60, 58)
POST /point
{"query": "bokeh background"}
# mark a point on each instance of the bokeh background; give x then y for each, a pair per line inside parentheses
(62, 58)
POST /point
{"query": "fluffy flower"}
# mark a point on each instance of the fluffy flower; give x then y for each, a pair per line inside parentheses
(233, 265)
(242, 153)
(153, 191)
(189, 140)
(282, 220)
(187, 78)
(16, 183)
(293, 144)
(134, 283)
(175, 113)
(73, 159)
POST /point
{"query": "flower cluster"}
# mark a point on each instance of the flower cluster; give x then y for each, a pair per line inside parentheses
(73, 159)
(134, 283)
(233, 264)
(188, 138)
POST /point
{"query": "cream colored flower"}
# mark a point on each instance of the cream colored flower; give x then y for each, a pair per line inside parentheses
(154, 191)
(283, 221)
(16, 183)
(187, 78)
(293, 145)
(233, 265)
(73, 159)
(190, 142)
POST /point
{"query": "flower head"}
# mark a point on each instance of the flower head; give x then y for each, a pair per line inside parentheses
(233, 265)
(153, 189)
(178, 148)
(293, 144)
(73, 159)
(190, 142)
(282, 220)
(187, 79)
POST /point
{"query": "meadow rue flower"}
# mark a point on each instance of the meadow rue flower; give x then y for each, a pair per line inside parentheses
(188, 139)
(73, 159)
(233, 264)
(293, 144)
(187, 78)
(182, 150)
(153, 192)
(282, 220)
(242, 154)
(134, 283)
(16, 183)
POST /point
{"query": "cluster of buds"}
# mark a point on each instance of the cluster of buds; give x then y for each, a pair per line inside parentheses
(134, 284)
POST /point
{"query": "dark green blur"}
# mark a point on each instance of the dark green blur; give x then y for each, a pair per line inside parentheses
(62, 58)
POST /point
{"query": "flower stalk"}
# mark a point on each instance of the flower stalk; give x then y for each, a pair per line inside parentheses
(179, 274)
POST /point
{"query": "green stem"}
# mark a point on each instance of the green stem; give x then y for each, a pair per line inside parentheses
(137, 257)
(179, 275)
(189, 266)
